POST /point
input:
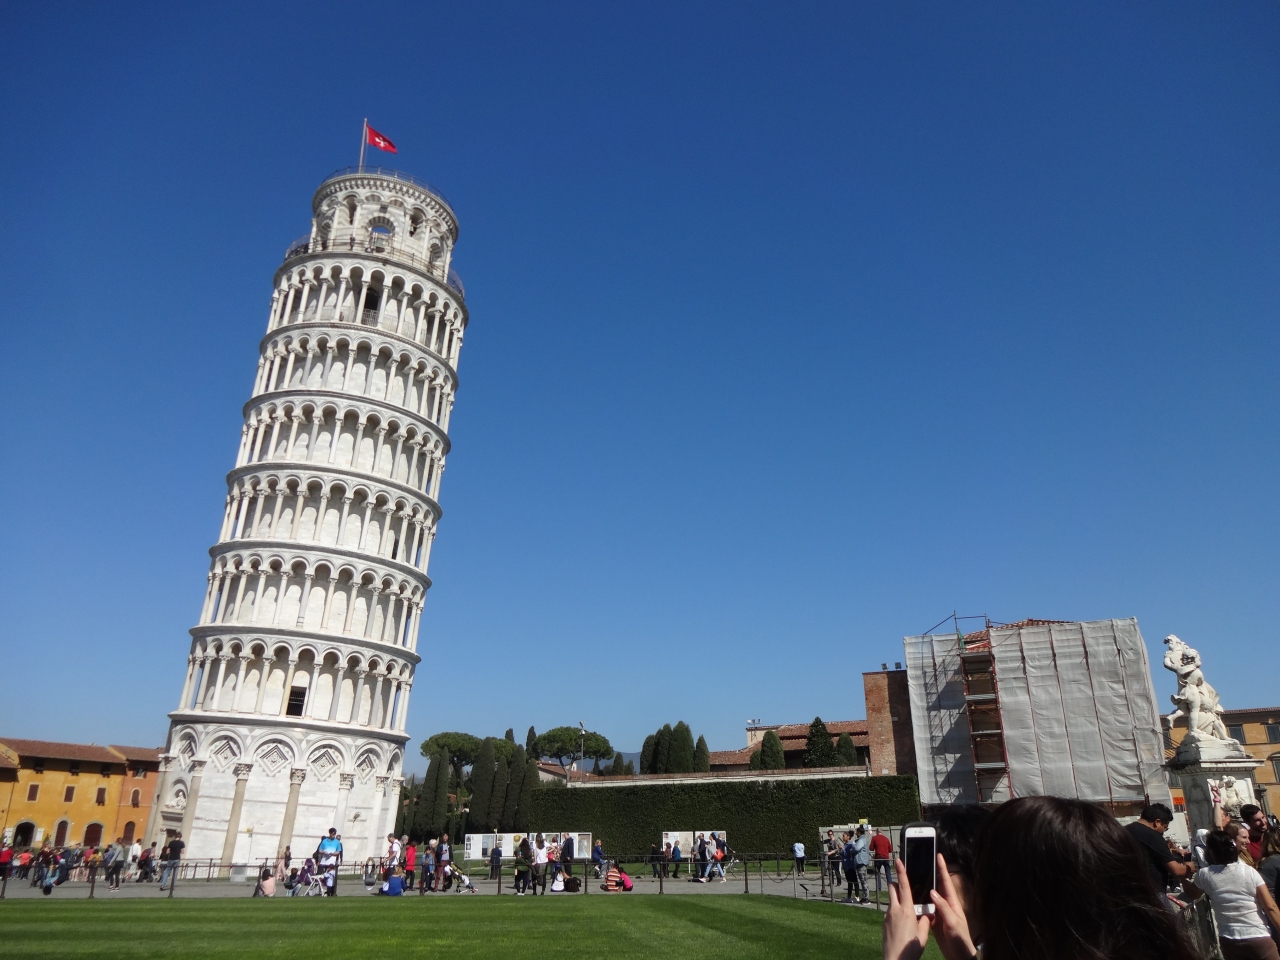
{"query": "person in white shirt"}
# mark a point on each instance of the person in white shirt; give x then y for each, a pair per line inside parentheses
(541, 854)
(393, 852)
(797, 848)
(135, 853)
(1242, 904)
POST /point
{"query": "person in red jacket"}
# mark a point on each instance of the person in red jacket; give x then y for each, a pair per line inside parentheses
(881, 854)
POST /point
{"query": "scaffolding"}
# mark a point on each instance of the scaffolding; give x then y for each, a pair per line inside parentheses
(1041, 708)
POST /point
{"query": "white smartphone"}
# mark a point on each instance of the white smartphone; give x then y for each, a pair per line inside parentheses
(920, 854)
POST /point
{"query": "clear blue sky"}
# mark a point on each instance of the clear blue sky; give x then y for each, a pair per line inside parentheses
(793, 329)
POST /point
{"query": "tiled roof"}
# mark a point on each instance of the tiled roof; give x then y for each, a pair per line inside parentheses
(981, 639)
(729, 757)
(145, 754)
(89, 752)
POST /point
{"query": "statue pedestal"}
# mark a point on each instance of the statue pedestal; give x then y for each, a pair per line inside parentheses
(1208, 760)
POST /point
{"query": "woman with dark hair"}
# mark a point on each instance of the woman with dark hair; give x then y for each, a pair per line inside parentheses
(958, 827)
(1053, 879)
(1242, 904)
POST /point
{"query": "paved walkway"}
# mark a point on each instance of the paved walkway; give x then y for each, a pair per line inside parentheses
(802, 887)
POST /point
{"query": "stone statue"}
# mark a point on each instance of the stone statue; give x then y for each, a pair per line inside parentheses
(1231, 794)
(1198, 702)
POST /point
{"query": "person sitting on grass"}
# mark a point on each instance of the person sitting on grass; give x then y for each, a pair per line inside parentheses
(291, 882)
(266, 884)
(612, 879)
(393, 886)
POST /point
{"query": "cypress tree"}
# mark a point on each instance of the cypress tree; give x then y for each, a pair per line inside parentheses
(482, 773)
(701, 756)
(440, 804)
(499, 795)
(646, 753)
(514, 782)
(847, 752)
(662, 758)
(819, 751)
(525, 806)
(681, 757)
(595, 767)
(509, 736)
(427, 797)
(756, 762)
(531, 742)
(772, 756)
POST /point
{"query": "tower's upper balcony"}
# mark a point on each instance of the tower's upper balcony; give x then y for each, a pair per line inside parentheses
(386, 213)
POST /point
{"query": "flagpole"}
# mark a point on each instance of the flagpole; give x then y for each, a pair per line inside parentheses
(364, 138)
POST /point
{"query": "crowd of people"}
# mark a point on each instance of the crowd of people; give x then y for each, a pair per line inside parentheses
(1060, 879)
(50, 866)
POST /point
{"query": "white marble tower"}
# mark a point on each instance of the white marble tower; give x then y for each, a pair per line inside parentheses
(292, 716)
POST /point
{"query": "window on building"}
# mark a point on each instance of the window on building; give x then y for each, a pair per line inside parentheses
(38, 764)
(69, 795)
(139, 773)
(135, 798)
(93, 835)
(33, 791)
(1236, 731)
(74, 769)
(297, 700)
(129, 829)
(1275, 768)
(60, 835)
(101, 798)
(106, 769)
(1273, 733)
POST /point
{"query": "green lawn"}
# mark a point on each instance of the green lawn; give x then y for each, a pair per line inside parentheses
(470, 927)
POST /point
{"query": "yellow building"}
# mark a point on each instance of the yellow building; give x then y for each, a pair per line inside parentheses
(71, 793)
(1258, 730)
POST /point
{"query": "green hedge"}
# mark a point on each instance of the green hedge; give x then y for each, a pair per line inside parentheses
(759, 817)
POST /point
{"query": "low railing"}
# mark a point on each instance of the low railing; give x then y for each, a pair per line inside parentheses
(390, 174)
(305, 245)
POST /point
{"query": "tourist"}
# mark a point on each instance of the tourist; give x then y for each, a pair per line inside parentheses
(1240, 834)
(881, 856)
(958, 828)
(1269, 865)
(524, 863)
(410, 862)
(1198, 851)
(117, 856)
(428, 881)
(857, 855)
(676, 857)
(266, 884)
(303, 883)
(172, 859)
(24, 864)
(443, 859)
(654, 858)
(6, 860)
(568, 850)
(291, 883)
(495, 862)
(797, 850)
(393, 851)
(1242, 904)
(833, 848)
(147, 864)
(719, 851)
(539, 865)
(1054, 879)
(1162, 863)
(612, 879)
(597, 859)
(666, 859)
(393, 885)
(92, 862)
(1253, 818)
(329, 858)
(135, 854)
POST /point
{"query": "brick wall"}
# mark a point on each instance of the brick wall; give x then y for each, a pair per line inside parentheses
(889, 722)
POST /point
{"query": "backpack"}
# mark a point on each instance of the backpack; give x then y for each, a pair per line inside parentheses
(572, 885)
(626, 881)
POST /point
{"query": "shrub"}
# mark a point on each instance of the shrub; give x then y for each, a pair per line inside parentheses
(759, 817)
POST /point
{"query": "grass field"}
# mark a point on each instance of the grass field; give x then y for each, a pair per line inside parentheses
(471, 927)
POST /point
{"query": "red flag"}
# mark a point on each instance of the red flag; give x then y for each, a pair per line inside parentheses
(378, 140)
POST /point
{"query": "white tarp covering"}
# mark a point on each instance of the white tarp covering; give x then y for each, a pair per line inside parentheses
(1079, 711)
(1077, 707)
(944, 759)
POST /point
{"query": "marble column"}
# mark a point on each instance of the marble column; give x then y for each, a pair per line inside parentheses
(296, 776)
(237, 805)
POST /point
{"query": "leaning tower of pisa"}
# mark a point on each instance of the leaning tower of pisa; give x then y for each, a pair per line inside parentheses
(292, 716)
